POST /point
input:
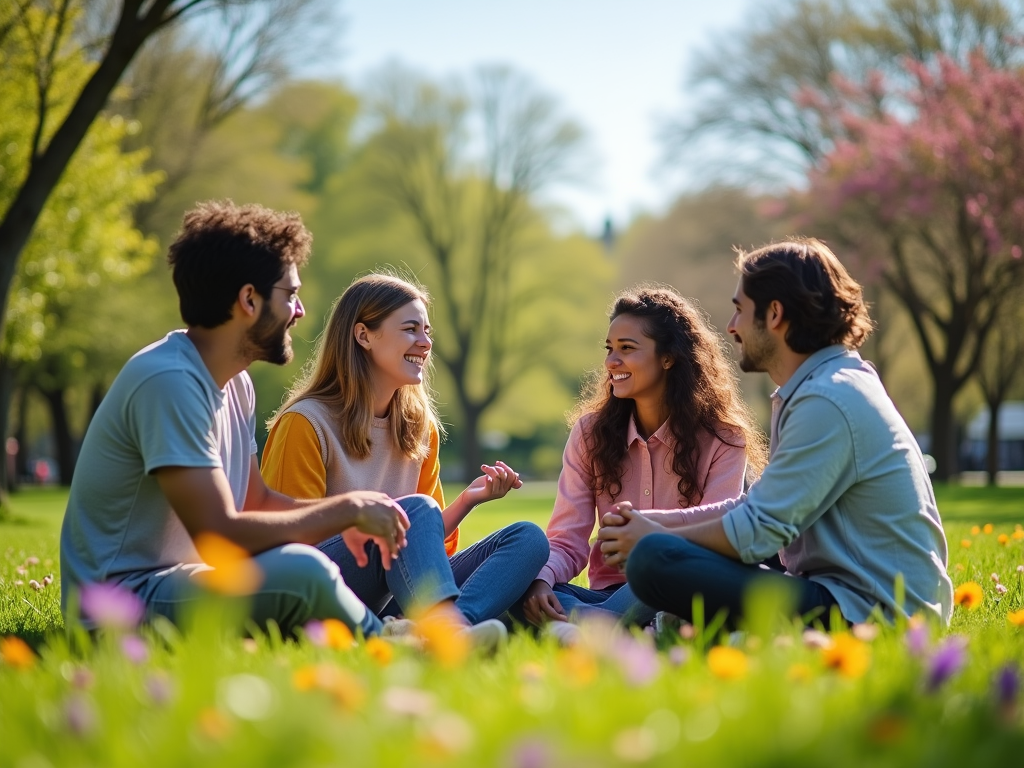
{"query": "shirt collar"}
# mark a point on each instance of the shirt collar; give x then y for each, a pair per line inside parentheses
(807, 367)
(663, 433)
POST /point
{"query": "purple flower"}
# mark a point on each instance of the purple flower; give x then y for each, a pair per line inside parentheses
(947, 661)
(109, 606)
(79, 714)
(917, 639)
(639, 661)
(159, 687)
(135, 649)
(1007, 685)
(530, 753)
(82, 678)
(315, 633)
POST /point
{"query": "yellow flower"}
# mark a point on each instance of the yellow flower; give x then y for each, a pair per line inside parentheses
(1016, 618)
(969, 594)
(214, 724)
(847, 655)
(578, 665)
(443, 635)
(337, 635)
(1003, 539)
(1017, 534)
(960, 568)
(234, 571)
(727, 663)
(975, 530)
(987, 528)
(16, 653)
(965, 542)
(347, 689)
(380, 651)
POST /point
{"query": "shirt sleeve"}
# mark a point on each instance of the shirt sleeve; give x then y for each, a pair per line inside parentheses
(429, 483)
(811, 468)
(171, 420)
(573, 517)
(292, 461)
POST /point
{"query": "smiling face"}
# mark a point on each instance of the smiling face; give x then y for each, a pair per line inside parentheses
(398, 350)
(268, 339)
(635, 369)
(757, 347)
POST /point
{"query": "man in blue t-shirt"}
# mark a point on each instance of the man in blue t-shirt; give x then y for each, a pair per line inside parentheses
(171, 451)
(845, 499)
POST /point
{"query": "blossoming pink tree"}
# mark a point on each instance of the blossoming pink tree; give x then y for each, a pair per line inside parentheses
(928, 188)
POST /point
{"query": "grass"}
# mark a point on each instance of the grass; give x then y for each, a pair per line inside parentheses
(763, 697)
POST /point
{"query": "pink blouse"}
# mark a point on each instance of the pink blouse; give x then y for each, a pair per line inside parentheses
(648, 482)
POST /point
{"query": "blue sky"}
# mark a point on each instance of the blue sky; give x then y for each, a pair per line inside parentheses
(616, 65)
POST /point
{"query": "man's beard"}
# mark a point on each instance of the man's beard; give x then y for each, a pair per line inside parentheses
(268, 339)
(756, 351)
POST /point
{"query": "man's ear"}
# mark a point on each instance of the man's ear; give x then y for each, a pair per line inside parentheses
(775, 315)
(248, 298)
(362, 336)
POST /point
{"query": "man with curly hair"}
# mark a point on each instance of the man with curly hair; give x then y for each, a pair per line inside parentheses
(170, 456)
(845, 499)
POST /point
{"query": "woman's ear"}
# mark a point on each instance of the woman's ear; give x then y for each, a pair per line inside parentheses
(667, 362)
(362, 336)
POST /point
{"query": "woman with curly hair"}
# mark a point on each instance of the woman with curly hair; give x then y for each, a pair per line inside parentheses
(662, 426)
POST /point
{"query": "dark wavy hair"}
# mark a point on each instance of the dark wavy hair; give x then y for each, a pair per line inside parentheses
(702, 394)
(222, 247)
(823, 304)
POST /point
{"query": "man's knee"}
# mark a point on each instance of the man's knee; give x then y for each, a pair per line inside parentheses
(648, 563)
(297, 568)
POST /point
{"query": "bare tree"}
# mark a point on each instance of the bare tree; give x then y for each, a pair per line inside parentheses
(471, 212)
(1001, 367)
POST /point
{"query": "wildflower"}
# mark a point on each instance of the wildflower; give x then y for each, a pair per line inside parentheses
(48, 580)
(1007, 687)
(1017, 534)
(248, 697)
(727, 663)
(19, 583)
(865, 632)
(678, 655)
(965, 543)
(848, 656)
(578, 665)
(109, 606)
(81, 678)
(638, 661)
(443, 636)
(960, 568)
(21, 570)
(531, 753)
(635, 745)
(411, 702)
(214, 724)
(347, 689)
(380, 651)
(16, 653)
(798, 673)
(1003, 539)
(814, 638)
(32, 560)
(988, 528)
(917, 638)
(969, 595)
(687, 631)
(445, 735)
(80, 715)
(531, 672)
(159, 687)
(947, 661)
(1016, 618)
(995, 577)
(35, 584)
(134, 649)
(249, 645)
(975, 530)
(232, 572)
(1001, 589)
(1020, 569)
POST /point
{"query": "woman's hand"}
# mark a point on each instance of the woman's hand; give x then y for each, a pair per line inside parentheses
(541, 605)
(621, 528)
(494, 483)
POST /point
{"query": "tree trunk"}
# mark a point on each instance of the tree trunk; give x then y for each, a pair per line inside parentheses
(6, 391)
(472, 453)
(61, 433)
(943, 448)
(992, 457)
(21, 435)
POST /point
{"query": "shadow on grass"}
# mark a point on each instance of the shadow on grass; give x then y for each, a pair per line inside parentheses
(980, 504)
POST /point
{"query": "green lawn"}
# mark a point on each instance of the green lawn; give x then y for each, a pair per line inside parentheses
(768, 697)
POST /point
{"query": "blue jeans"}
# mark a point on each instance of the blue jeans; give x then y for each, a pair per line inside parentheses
(300, 583)
(484, 579)
(617, 602)
(666, 571)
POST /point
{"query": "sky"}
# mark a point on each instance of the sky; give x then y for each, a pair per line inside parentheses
(616, 66)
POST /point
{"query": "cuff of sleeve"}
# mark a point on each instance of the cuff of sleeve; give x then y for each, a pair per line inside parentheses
(740, 532)
(547, 576)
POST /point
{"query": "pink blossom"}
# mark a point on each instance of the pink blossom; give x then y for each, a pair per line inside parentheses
(35, 584)
(638, 661)
(135, 649)
(80, 714)
(159, 687)
(32, 560)
(109, 606)
(1001, 589)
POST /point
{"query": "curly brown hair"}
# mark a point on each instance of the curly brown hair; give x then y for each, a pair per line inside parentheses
(823, 304)
(222, 247)
(701, 393)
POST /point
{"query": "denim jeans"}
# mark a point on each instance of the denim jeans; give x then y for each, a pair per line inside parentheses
(666, 571)
(300, 583)
(484, 579)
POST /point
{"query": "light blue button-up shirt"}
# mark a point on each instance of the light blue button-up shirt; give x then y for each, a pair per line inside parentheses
(845, 499)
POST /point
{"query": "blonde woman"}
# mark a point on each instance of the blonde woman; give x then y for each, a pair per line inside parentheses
(362, 418)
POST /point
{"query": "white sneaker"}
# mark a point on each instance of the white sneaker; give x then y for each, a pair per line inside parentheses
(394, 627)
(487, 636)
(566, 633)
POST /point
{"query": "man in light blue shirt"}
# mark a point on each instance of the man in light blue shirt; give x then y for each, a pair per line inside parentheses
(845, 499)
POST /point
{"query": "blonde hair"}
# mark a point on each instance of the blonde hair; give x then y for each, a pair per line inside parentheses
(339, 374)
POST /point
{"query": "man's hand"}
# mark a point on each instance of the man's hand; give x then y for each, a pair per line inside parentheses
(541, 605)
(621, 528)
(494, 483)
(381, 519)
(356, 540)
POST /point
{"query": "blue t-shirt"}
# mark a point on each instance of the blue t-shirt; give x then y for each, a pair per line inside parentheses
(163, 410)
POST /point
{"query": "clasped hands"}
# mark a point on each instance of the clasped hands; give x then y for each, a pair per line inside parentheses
(621, 528)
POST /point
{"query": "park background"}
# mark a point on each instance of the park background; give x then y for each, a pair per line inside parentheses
(439, 148)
